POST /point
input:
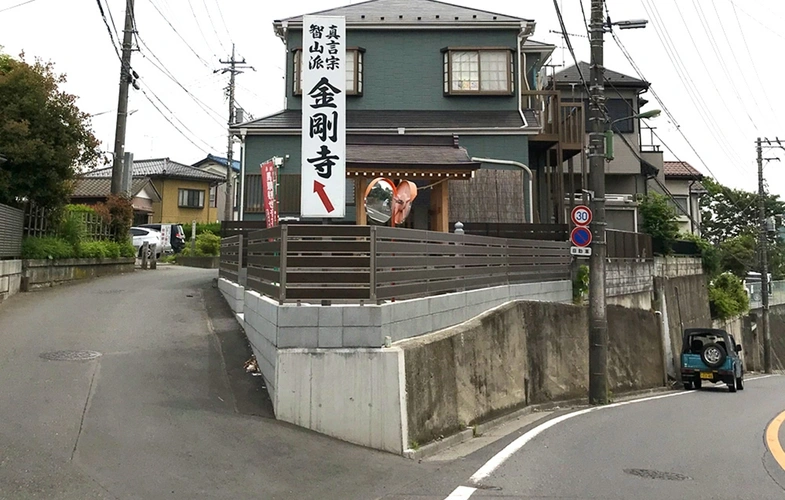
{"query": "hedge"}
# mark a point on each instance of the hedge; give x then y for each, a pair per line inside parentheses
(59, 248)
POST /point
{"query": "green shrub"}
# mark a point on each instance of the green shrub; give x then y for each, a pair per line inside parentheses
(580, 286)
(47, 248)
(126, 249)
(92, 250)
(710, 255)
(727, 297)
(208, 243)
(212, 227)
(79, 209)
(71, 229)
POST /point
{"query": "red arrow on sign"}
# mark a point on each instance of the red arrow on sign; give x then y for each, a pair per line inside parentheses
(318, 188)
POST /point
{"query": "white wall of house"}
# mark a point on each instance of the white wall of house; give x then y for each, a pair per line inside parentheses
(680, 189)
(218, 193)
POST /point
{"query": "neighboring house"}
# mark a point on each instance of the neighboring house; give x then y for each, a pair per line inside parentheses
(218, 165)
(435, 90)
(626, 175)
(94, 190)
(184, 190)
(683, 182)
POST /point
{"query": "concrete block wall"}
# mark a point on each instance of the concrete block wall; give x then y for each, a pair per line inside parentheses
(628, 277)
(260, 316)
(10, 278)
(233, 293)
(675, 267)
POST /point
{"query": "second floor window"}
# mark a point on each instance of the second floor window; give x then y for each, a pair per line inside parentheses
(354, 72)
(190, 198)
(478, 71)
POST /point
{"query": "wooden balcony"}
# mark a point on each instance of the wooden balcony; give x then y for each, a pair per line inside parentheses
(561, 121)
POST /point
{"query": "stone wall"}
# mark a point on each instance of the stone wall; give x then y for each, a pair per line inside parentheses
(519, 354)
(10, 278)
(46, 273)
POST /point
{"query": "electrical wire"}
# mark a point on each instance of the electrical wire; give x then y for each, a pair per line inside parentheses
(201, 32)
(569, 46)
(212, 25)
(111, 18)
(17, 5)
(223, 21)
(172, 123)
(109, 30)
(201, 59)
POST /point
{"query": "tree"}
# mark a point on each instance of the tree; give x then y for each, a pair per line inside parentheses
(43, 135)
(727, 213)
(659, 218)
(737, 254)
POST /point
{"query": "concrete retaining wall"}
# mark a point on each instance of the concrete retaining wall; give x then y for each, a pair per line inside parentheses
(10, 278)
(46, 273)
(351, 394)
(196, 261)
(233, 293)
(519, 354)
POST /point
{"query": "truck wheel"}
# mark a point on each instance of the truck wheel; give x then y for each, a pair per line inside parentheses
(698, 384)
(713, 355)
(740, 383)
(688, 386)
(732, 386)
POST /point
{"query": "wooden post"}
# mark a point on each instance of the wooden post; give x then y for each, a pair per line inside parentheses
(360, 184)
(282, 264)
(239, 256)
(440, 207)
(145, 247)
(154, 257)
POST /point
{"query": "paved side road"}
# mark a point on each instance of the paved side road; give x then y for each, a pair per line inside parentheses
(165, 411)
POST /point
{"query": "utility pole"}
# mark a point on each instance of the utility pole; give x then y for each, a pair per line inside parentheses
(764, 264)
(598, 323)
(234, 69)
(126, 77)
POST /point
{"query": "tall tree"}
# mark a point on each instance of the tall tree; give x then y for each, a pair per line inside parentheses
(727, 212)
(43, 134)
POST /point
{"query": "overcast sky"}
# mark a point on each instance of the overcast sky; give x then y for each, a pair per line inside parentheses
(729, 50)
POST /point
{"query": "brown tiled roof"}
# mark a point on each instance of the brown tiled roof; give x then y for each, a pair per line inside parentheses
(391, 120)
(100, 187)
(680, 170)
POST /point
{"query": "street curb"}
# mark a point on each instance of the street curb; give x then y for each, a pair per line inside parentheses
(478, 430)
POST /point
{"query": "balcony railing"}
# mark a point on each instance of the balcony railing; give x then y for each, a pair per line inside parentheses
(565, 121)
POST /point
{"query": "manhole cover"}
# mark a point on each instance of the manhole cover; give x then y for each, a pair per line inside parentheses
(656, 474)
(70, 355)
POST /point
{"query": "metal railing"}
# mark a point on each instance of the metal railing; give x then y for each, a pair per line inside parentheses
(369, 263)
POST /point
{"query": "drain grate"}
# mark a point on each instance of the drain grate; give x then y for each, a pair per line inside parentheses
(70, 355)
(656, 474)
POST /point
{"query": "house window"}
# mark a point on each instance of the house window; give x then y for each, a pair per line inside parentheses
(478, 71)
(354, 71)
(191, 198)
(681, 204)
(214, 196)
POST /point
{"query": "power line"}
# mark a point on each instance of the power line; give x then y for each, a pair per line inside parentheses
(17, 5)
(212, 25)
(203, 61)
(223, 21)
(713, 42)
(162, 68)
(172, 123)
(201, 32)
(569, 46)
(109, 29)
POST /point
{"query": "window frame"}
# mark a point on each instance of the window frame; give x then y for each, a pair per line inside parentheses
(447, 71)
(187, 192)
(359, 66)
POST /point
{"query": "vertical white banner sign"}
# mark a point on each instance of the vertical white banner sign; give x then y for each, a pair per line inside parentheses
(323, 60)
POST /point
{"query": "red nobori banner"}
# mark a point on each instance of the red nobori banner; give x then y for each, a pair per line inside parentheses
(269, 180)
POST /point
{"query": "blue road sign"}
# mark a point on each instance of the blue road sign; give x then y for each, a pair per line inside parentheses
(580, 236)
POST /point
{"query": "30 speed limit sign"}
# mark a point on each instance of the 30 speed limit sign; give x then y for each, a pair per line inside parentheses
(581, 215)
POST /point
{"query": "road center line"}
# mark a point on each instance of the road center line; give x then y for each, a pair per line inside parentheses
(497, 460)
(773, 439)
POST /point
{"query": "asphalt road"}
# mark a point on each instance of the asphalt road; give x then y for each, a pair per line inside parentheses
(166, 411)
(705, 444)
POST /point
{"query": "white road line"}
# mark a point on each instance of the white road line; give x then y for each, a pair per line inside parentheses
(461, 493)
(464, 492)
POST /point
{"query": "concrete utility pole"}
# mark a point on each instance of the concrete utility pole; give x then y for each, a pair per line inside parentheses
(233, 70)
(598, 323)
(126, 77)
(764, 261)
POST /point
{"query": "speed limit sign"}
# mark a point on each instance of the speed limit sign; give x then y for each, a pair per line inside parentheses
(581, 215)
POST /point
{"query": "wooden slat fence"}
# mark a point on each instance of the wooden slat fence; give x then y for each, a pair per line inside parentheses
(11, 231)
(628, 245)
(36, 221)
(367, 263)
(542, 232)
(231, 258)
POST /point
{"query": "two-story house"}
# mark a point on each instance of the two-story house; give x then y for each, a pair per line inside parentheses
(634, 163)
(442, 95)
(683, 184)
(218, 165)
